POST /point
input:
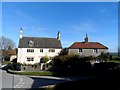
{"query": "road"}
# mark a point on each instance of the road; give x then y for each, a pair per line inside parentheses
(27, 82)
(20, 81)
(15, 81)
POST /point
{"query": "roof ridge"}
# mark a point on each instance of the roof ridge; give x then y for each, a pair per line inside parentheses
(40, 42)
(40, 37)
(89, 45)
(84, 42)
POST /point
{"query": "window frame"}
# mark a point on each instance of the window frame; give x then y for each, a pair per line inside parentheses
(95, 50)
(52, 50)
(30, 50)
(41, 50)
(80, 50)
(30, 59)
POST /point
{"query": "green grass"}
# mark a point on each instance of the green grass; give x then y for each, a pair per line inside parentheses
(116, 61)
(49, 87)
(41, 73)
(6, 62)
(45, 73)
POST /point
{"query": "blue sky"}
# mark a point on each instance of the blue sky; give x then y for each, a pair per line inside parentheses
(73, 19)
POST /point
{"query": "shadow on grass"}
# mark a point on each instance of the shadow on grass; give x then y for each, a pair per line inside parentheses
(101, 83)
(104, 82)
(108, 80)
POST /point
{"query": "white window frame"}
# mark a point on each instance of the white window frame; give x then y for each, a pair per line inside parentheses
(52, 50)
(95, 50)
(30, 59)
(30, 50)
(80, 50)
(41, 50)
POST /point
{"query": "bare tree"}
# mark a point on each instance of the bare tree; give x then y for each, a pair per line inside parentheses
(5, 45)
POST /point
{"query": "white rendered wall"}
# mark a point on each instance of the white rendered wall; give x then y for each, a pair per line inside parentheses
(23, 54)
(12, 57)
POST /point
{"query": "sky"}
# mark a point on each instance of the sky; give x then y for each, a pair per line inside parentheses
(99, 20)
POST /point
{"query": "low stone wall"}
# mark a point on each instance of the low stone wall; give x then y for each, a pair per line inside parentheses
(30, 68)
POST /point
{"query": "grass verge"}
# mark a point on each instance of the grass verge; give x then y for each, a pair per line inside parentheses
(115, 61)
(41, 73)
(6, 62)
(49, 87)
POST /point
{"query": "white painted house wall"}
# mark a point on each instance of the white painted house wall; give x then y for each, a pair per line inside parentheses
(23, 54)
(13, 57)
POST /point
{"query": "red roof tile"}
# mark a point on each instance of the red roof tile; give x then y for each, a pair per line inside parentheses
(88, 45)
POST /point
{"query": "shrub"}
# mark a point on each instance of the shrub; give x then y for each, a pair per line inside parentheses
(44, 59)
(104, 57)
(71, 64)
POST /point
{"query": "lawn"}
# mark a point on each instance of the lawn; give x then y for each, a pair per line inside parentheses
(6, 62)
(101, 83)
(116, 61)
(43, 73)
(40, 73)
(49, 87)
(92, 84)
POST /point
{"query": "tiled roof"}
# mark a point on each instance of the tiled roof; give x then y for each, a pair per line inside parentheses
(10, 52)
(37, 42)
(88, 45)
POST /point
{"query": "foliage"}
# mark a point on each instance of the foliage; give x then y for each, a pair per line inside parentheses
(44, 59)
(65, 65)
(70, 64)
(104, 56)
(12, 66)
(24, 64)
(64, 51)
(72, 58)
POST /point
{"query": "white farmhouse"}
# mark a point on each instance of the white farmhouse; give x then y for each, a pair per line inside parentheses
(32, 49)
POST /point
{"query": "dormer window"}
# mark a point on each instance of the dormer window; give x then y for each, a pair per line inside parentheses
(31, 43)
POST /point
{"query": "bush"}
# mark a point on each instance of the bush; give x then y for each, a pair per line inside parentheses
(104, 57)
(12, 66)
(44, 59)
(71, 65)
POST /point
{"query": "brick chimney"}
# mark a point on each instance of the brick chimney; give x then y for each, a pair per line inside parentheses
(58, 35)
(86, 39)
